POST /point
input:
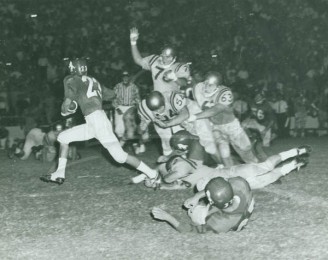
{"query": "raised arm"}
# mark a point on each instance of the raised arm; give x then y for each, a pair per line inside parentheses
(134, 35)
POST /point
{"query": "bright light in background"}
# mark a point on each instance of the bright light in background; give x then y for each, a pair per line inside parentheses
(33, 15)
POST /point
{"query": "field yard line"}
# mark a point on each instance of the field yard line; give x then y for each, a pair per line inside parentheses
(301, 198)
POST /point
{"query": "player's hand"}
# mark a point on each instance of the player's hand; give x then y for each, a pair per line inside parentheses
(160, 123)
(160, 214)
(191, 202)
(169, 76)
(134, 35)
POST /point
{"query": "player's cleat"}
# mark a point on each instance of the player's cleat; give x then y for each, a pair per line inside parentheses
(153, 183)
(50, 178)
(301, 161)
(304, 149)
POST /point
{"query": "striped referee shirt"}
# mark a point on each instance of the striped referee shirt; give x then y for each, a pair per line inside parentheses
(126, 95)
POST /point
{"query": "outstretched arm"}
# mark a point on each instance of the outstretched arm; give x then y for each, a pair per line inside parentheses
(208, 112)
(134, 35)
(177, 120)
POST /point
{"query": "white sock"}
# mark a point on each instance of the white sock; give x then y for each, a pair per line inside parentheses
(151, 173)
(288, 154)
(288, 167)
(60, 172)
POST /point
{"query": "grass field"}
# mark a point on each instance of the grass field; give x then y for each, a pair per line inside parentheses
(96, 214)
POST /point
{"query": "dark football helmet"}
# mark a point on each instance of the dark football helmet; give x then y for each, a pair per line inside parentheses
(155, 101)
(219, 192)
(78, 67)
(181, 140)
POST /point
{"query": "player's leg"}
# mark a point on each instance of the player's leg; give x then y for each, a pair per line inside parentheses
(118, 123)
(241, 143)
(105, 135)
(165, 136)
(223, 147)
(74, 134)
(261, 181)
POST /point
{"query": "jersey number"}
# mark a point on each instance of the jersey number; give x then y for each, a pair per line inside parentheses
(94, 88)
(226, 98)
(160, 70)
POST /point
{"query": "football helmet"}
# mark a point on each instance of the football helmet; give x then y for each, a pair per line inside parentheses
(181, 140)
(219, 192)
(212, 82)
(155, 101)
(168, 56)
(78, 67)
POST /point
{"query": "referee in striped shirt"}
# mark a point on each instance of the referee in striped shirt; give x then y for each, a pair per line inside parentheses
(126, 96)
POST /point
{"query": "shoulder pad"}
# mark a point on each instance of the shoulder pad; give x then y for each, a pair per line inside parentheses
(224, 96)
(153, 58)
(144, 111)
(181, 67)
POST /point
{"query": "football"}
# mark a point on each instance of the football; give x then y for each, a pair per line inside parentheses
(73, 106)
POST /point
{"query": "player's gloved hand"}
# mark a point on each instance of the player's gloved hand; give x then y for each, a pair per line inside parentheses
(191, 202)
(134, 35)
(169, 76)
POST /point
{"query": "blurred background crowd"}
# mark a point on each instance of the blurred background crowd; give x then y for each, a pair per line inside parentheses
(275, 47)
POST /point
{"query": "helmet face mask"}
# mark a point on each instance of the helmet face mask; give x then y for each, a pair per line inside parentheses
(212, 83)
(78, 67)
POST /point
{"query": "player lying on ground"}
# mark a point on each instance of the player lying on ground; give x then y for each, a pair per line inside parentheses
(229, 207)
(182, 173)
(84, 91)
(38, 142)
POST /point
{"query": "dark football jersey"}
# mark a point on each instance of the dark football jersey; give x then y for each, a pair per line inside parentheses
(86, 91)
(263, 113)
(236, 216)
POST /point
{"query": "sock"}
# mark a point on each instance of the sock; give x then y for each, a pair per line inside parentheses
(288, 167)
(288, 154)
(151, 173)
(60, 172)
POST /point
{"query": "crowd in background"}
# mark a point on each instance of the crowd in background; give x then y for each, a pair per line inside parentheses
(273, 47)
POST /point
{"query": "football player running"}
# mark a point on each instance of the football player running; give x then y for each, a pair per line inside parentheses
(216, 102)
(85, 91)
(229, 208)
(167, 75)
